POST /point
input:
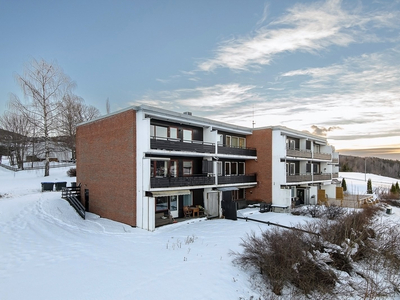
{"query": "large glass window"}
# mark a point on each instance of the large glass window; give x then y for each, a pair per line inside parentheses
(160, 168)
(292, 168)
(220, 139)
(235, 142)
(187, 168)
(161, 203)
(242, 143)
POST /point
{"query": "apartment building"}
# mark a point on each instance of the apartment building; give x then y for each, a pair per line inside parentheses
(293, 167)
(143, 161)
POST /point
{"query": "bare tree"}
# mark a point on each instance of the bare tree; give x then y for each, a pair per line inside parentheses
(16, 136)
(74, 111)
(44, 85)
(108, 106)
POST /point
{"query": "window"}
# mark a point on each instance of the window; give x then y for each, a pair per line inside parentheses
(292, 168)
(173, 132)
(287, 169)
(220, 139)
(187, 167)
(242, 168)
(228, 140)
(316, 168)
(308, 168)
(235, 142)
(308, 145)
(234, 168)
(161, 132)
(173, 168)
(316, 148)
(238, 195)
(187, 135)
(159, 168)
(227, 168)
(161, 203)
(219, 167)
(242, 143)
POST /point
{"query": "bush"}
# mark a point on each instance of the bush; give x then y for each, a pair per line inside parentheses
(71, 172)
(334, 212)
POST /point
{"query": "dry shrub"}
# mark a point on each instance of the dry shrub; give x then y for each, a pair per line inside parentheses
(71, 172)
(334, 212)
(307, 262)
(282, 258)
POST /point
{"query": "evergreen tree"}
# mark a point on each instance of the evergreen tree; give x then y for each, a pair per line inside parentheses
(393, 189)
(369, 187)
(397, 187)
(344, 185)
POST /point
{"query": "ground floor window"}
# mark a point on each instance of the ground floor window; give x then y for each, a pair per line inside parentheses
(239, 194)
(161, 203)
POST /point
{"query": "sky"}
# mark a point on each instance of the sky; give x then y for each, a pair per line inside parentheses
(327, 67)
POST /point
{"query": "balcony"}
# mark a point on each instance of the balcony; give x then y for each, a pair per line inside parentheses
(195, 180)
(224, 149)
(324, 156)
(173, 144)
(335, 175)
(237, 179)
(298, 153)
(319, 177)
(335, 160)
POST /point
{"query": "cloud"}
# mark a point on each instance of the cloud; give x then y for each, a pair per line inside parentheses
(306, 28)
(322, 131)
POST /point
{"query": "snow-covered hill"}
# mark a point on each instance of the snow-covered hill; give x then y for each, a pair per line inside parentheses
(48, 252)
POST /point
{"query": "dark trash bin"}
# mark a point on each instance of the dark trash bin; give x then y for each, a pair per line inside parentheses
(265, 207)
(60, 185)
(47, 186)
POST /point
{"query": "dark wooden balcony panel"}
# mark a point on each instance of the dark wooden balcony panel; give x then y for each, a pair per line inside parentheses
(298, 153)
(178, 145)
(318, 177)
(298, 178)
(237, 179)
(237, 151)
(196, 180)
(324, 156)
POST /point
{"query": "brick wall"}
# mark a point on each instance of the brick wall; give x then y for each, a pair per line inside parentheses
(261, 139)
(106, 165)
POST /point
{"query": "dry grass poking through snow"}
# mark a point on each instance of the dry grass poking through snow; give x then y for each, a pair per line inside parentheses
(352, 254)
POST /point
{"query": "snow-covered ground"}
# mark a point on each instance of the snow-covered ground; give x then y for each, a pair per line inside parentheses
(48, 252)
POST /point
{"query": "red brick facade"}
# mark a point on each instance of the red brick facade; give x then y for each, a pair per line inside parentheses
(261, 139)
(106, 165)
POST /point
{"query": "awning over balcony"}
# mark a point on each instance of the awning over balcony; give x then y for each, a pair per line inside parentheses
(228, 188)
(167, 193)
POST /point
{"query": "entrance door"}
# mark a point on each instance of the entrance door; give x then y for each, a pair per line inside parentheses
(212, 204)
(173, 206)
(300, 195)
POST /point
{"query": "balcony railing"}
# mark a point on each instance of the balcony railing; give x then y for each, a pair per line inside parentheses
(224, 149)
(237, 179)
(308, 154)
(335, 160)
(325, 156)
(173, 144)
(335, 175)
(298, 153)
(298, 178)
(318, 177)
(165, 182)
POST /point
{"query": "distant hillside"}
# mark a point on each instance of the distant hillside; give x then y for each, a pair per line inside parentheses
(374, 165)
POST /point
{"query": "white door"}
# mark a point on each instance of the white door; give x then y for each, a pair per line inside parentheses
(212, 204)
